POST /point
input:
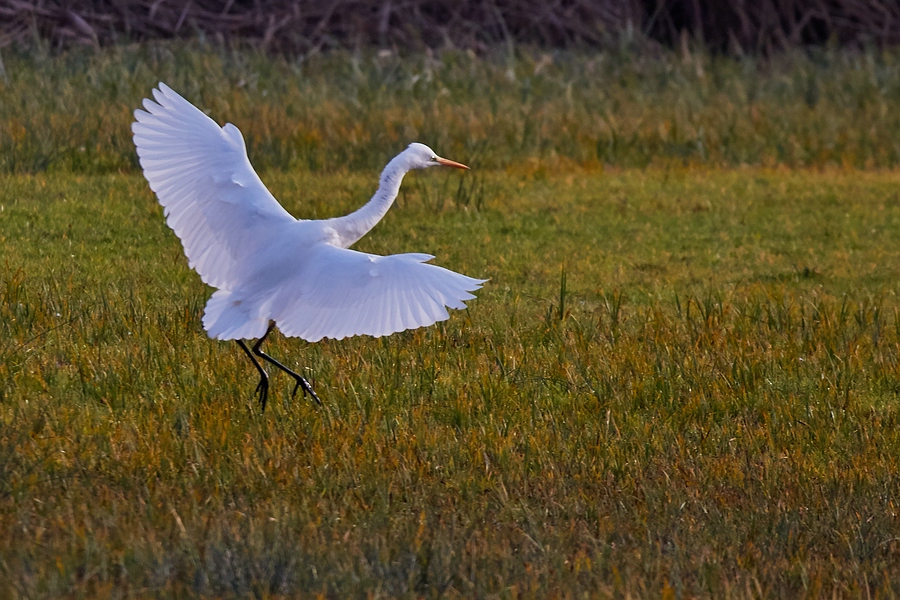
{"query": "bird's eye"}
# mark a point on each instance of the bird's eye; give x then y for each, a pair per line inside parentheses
(434, 158)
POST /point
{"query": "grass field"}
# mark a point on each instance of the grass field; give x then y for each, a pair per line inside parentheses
(71, 112)
(707, 407)
(680, 381)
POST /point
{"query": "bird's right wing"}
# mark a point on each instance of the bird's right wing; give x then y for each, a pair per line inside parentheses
(213, 199)
(343, 292)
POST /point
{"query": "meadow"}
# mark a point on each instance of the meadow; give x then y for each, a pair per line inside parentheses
(682, 379)
(326, 112)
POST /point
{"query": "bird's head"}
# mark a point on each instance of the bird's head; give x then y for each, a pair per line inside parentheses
(421, 156)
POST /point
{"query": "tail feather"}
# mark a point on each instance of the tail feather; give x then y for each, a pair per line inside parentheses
(229, 318)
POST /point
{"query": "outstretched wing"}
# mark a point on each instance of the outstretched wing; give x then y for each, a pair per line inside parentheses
(343, 292)
(213, 199)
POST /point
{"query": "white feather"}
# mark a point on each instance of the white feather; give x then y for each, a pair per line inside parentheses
(269, 266)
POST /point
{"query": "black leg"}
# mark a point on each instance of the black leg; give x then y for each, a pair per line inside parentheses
(301, 382)
(263, 387)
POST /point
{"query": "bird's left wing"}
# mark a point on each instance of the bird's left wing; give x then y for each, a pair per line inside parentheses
(342, 292)
(213, 199)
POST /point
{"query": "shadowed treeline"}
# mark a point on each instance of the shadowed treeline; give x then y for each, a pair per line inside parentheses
(293, 26)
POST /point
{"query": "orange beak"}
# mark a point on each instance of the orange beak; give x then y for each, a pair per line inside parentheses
(450, 163)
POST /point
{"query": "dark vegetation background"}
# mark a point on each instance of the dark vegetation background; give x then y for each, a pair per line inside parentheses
(736, 27)
(317, 84)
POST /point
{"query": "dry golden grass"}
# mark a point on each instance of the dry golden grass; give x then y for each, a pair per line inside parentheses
(679, 382)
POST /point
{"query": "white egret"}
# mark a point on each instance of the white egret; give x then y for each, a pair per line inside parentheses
(269, 268)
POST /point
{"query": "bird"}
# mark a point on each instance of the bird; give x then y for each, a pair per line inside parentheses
(271, 269)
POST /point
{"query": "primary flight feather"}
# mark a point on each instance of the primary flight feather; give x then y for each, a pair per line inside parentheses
(269, 268)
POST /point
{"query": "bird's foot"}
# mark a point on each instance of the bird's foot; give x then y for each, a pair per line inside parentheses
(307, 389)
(263, 390)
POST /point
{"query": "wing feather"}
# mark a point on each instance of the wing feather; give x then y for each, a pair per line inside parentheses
(212, 198)
(227, 220)
(337, 293)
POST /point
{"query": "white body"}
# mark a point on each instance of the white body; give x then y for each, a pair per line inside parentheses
(269, 266)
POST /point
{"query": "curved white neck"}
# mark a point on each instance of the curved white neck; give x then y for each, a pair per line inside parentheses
(352, 227)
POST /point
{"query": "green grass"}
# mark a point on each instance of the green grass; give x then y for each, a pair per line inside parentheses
(678, 382)
(71, 112)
